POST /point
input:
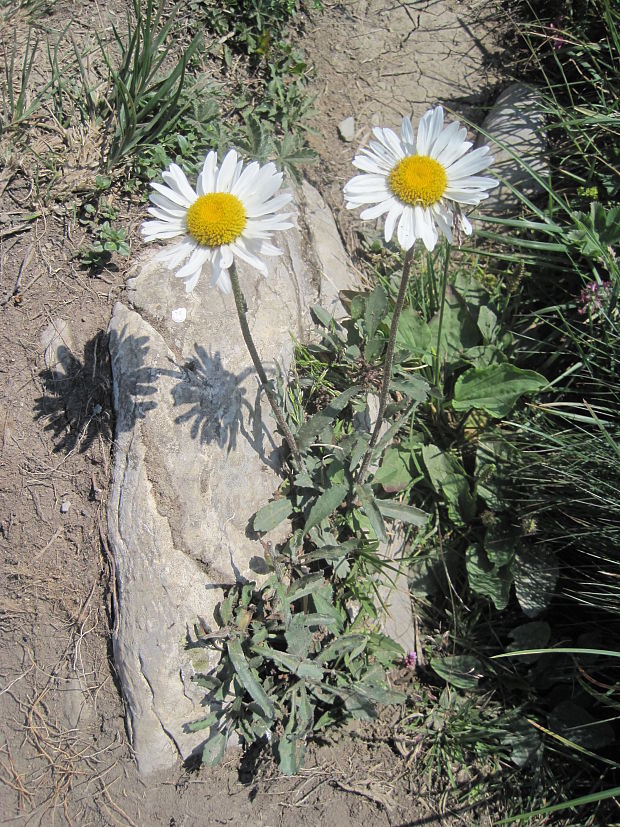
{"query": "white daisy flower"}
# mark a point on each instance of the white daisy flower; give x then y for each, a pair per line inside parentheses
(232, 212)
(415, 182)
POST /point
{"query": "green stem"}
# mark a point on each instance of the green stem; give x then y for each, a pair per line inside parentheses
(247, 338)
(442, 304)
(387, 366)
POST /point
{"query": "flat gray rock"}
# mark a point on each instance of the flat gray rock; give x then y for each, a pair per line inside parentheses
(517, 124)
(196, 455)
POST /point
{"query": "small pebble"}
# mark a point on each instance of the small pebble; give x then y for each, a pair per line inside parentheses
(346, 129)
(179, 314)
(65, 506)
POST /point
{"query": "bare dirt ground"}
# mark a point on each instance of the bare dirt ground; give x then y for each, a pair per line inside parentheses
(64, 753)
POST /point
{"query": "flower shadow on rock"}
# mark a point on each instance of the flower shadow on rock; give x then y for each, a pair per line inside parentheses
(217, 403)
(77, 398)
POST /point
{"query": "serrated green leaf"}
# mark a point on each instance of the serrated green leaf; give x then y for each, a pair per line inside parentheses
(495, 389)
(272, 514)
(325, 505)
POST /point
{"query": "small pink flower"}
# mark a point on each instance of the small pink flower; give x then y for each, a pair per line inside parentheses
(410, 660)
(557, 40)
(592, 297)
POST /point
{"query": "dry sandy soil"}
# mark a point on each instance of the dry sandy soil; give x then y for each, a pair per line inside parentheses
(64, 753)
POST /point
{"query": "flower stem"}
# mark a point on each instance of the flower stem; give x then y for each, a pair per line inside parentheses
(247, 338)
(387, 366)
(442, 303)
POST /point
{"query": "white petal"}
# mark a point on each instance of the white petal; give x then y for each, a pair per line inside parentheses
(173, 256)
(219, 275)
(162, 215)
(474, 182)
(176, 180)
(172, 195)
(431, 124)
(267, 249)
(444, 140)
(265, 185)
(226, 255)
(372, 164)
(223, 282)
(390, 144)
(363, 183)
(425, 227)
(206, 179)
(444, 218)
(377, 210)
(406, 233)
(470, 197)
(470, 164)
(179, 314)
(271, 206)
(195, 262)
(236, 173)
(391, 218)
(163, 203)
(455, 149)
(408, 136)
(153, 230)
(245, 184)
(465, 224)
(241, 249)
(227, 170)
(268, 223)
(192, 281)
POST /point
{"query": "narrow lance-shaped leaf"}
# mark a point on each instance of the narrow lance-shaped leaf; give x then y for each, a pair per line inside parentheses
(371, 510)
(249, 681)
(313, 427)
(326, 504)
(272, 514)
(405, 513)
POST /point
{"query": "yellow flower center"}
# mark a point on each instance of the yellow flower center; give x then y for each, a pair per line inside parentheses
(418, 180)
(215, 219)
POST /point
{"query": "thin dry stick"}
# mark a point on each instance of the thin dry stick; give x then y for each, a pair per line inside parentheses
(247, 338)
(387, 367)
